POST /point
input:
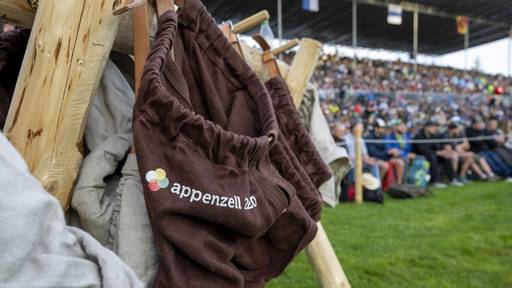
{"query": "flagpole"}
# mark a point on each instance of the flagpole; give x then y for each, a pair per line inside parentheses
(415, 37)
(280, 20)
(354, 28)
(509, 52)
(466, 46)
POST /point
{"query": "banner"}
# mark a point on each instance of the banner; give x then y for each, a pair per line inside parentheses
(311, 5)
(394, 14)
(462, 24)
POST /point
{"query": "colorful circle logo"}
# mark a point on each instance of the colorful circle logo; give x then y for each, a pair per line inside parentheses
(157, 179)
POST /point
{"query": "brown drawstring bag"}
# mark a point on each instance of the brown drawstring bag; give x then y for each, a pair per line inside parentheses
(222, 215)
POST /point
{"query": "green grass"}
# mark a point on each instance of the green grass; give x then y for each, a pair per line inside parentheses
(460, 237)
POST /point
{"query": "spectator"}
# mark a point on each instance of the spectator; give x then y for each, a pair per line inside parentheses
(503, 152)
(436, 154)
(477, 164)
(391, 90)
(379, 150)
(466, 158)
(376, 167)
(484, 148)
(400, 148)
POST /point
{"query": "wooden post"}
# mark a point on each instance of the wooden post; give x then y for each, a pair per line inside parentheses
(302, 68)
(325, 262)
(17, 11)
(66, 53)
(358, 134)
(285, 47)
(251, 22)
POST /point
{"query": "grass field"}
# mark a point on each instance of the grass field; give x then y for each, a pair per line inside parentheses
(460, 237)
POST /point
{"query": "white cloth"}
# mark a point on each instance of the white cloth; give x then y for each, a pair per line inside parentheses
(331, 153)
(110, 205)
(38, 249)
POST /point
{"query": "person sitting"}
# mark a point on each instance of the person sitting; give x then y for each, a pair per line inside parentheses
(399, 143)
(380, 151)
(466, 157)
(376, 167)
(484, 148)
(436, 154)
(503, 152)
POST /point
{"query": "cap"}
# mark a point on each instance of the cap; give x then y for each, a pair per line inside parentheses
(452, 126)
(380, 123)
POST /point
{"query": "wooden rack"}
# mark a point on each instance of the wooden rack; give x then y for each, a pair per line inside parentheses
(67, 51)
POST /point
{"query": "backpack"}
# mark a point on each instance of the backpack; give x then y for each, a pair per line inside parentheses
(403, 191)
(348, 194)
(418, 172)
(373, 195)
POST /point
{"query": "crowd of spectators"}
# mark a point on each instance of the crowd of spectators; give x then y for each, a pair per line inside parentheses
(455, 121)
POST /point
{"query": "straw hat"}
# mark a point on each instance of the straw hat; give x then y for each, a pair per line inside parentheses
(370, 182)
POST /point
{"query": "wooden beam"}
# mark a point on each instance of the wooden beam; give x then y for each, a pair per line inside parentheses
(251, 22)
(17, 11)
(322, 257)
(66, 53)
(358, 167)
(285, 47)
(302, 68)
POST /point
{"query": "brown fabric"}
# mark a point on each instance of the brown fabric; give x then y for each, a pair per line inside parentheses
(284, 157)
(205, 120)
(12, 50)
(296, 135)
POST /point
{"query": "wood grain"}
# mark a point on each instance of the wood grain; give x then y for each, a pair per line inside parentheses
(358, 167)
(302, 68)
(327, 266)
(66, 53)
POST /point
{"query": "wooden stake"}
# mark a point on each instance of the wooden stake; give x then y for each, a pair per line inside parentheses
(141, 47)
(287, 46)
(64, 61)
(358, 134)
(251, 22)
(17, 11)
(302, 68)
(325, 262)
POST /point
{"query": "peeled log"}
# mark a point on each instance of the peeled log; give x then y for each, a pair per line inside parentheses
(66, 53)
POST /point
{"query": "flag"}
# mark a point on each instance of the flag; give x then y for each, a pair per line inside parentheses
(310, 5)
(394, 14)
(462, 24)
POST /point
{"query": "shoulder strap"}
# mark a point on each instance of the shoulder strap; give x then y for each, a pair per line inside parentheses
(267, 56)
